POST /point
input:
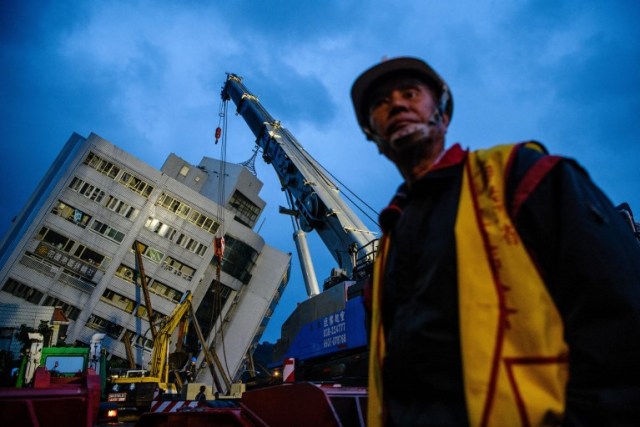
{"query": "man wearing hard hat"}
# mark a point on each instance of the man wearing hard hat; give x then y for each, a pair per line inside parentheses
(507, 287)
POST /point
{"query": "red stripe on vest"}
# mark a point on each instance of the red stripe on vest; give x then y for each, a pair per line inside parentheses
(531, 179)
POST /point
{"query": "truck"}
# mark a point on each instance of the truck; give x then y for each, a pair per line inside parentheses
(59, 385)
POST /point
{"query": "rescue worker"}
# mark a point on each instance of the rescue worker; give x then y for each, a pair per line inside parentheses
(201, 397)
(506, 291)
(192, 370)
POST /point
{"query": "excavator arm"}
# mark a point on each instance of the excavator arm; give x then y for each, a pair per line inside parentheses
(158, 367)
(183, 312)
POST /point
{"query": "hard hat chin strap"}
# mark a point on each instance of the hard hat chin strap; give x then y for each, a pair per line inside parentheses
(436, 117)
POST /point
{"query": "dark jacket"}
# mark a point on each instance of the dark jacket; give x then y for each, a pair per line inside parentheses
(588, 259)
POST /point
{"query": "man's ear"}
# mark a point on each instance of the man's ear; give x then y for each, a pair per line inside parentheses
(445, 121)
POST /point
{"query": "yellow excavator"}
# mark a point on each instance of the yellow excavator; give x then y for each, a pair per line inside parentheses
(135, 391)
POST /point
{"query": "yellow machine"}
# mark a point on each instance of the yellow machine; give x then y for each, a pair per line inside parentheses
(136, 390)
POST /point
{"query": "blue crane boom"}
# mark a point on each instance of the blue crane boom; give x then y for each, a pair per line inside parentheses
(317, 199)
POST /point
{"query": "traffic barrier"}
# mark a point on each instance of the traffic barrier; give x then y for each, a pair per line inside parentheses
(172, 406)
(288, 372)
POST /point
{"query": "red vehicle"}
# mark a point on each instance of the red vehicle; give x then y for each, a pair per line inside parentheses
(58, 386)
(54, 400)
(296, 404)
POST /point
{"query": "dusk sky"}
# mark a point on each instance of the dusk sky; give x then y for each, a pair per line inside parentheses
(146, 76)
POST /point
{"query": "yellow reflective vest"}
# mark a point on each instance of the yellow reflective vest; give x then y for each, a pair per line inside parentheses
(513, 351)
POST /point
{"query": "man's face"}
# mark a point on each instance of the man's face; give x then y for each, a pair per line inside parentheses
(398, 105)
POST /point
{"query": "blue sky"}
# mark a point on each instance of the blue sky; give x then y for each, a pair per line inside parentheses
(146, 75)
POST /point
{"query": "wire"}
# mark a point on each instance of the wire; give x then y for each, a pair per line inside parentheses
(295, 223)
(321, 170)
(216, 312)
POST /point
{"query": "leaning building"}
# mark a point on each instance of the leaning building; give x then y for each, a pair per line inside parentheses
(71, 247)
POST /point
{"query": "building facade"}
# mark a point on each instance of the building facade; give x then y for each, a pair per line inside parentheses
(72, 247)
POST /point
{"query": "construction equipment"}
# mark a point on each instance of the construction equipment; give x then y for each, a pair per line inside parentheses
(137, 247)
(321, 357)
(135, 391)
(58, 386)
(337, 349)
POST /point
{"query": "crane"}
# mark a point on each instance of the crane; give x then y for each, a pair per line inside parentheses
(316, 205)
(325, 336)
(317, 202)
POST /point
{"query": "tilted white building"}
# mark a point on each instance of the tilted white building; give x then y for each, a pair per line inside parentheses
(71, 247)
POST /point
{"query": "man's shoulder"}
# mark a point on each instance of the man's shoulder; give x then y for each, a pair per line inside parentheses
(532, 157)
(526, 154)
(527, 148)
(515, 159)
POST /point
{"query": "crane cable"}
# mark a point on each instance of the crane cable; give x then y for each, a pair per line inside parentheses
(295, 223)
(306, 158)
(216, 291)
(221, 131)
(371, 215)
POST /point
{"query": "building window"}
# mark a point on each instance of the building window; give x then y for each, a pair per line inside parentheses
(70, 311)
(176, 206)
(200, 220)
(109, 169)
(161, 229)
(141, 341)
(107, 231)
(153, 254)
(246, 211)
(80, 281)
(103, 166)
(92, 257)
(121, 208)
(89, 191)
(239, 259)
(126, 273)
(136, 184)
(191, 244)
(118, 300)
(178, 268)
(55, 239)
(71, 214)
(165, 291)
(103, 325)
(23, 291)
(185, 211)
(184, 170)
(70, 263)
(137, 340)
(141, 312)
